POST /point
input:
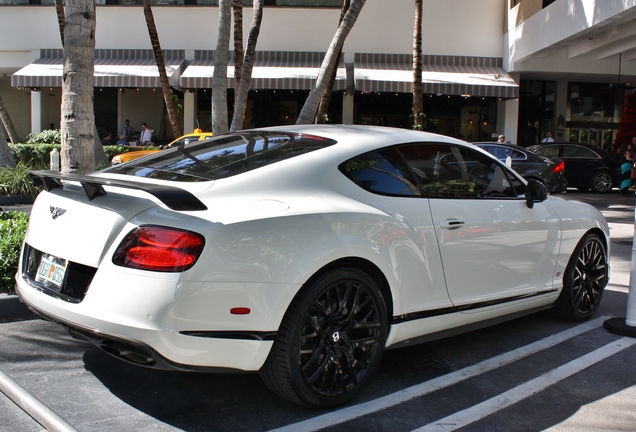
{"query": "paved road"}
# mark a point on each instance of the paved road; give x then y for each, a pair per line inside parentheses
(530, 374)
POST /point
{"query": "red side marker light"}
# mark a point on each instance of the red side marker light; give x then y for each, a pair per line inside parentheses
(240, 311)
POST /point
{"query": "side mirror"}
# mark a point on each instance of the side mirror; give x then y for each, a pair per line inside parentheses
(536, 192)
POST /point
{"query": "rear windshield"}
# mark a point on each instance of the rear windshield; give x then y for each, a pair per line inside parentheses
(222, 156)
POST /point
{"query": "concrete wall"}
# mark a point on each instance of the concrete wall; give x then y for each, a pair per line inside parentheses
(450, 27)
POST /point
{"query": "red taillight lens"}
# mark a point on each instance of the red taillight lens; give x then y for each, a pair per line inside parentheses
(559, 168)
(160, 249)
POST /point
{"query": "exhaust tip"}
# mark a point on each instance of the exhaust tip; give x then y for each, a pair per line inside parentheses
(131, 354)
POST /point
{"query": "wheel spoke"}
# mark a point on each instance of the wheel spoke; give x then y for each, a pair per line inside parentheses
(342, 335)
(589, 277)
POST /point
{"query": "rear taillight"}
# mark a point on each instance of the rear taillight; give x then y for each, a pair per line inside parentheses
(159, 249)
(559, 168)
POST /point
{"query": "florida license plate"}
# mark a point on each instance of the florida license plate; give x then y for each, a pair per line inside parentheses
(51, 272)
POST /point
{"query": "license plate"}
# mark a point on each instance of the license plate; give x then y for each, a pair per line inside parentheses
(51, 272)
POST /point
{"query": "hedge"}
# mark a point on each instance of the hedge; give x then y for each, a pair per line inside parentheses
(38, 155)
(13, 225)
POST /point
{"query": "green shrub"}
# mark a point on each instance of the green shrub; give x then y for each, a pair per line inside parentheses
(51, 136)
(15, 181)
(38, 156)
(13, 225)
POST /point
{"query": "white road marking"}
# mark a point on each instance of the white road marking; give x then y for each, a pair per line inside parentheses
(418, 390)
(477, 412)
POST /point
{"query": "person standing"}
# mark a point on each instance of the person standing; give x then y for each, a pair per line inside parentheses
(502, 138)
(145, 138)
(548, 138)
(627, 163)
(125, 132)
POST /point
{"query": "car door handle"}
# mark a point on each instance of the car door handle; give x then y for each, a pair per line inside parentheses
(452, 224)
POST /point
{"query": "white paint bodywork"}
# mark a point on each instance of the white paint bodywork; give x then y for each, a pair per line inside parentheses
(268, 231)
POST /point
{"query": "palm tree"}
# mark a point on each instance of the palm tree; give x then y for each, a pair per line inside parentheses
(326, 98)
(61, 21)
(173, 117)
(100, 156)
(308, 112)
(219, 77)
(78, 117)
(8, 124)
(237, 8)
(247, 66)
(418, 97)
(6, 158)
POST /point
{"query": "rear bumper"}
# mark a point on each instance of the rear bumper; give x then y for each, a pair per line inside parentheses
(149, 347)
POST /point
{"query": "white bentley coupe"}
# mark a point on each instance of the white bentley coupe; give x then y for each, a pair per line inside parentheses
(302, 252)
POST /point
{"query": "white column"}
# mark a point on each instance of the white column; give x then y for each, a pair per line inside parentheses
(510, 120)
(189, 111)
(36, 111)
(347, 108)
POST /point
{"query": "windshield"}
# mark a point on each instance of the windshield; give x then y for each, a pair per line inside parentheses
(222, 156)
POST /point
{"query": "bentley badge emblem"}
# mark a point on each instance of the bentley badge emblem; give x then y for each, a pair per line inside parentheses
(56, 211)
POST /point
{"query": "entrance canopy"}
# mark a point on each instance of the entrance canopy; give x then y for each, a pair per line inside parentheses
(113, 68)
(276, 70)
(449, 75)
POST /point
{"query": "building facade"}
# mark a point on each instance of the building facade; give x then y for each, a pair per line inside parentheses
(517, 67)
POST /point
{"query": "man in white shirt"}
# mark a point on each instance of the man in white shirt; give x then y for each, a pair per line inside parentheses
(146, 136)
(548, 138)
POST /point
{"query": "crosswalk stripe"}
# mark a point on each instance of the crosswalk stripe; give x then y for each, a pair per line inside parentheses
(418, 390)
(477, 412)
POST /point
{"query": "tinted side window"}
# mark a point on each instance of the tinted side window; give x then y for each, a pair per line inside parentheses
(549, 151)
(517, 155)
(382, 172)
(577, 152)
(446, 171)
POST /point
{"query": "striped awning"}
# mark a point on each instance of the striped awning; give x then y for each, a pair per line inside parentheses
(448, 75)
(282, 70)
(113, 68)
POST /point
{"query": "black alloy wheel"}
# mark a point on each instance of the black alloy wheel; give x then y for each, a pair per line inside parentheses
(584, 280)
(331, 340)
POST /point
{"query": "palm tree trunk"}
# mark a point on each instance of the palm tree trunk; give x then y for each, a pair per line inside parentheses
(8, 124)
(321, 115)
(173, 117)
(219, 78)
(237, 7)
(418, 97)
(248, 65)
(78, 118)
(308, 112)
(6, 157)
(61, 21)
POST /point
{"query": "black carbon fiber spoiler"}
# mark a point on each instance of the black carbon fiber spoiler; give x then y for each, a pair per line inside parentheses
(173, 197)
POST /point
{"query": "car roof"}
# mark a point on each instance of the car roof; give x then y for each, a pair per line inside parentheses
(356, 139)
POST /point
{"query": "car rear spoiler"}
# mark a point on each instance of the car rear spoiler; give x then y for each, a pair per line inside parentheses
(173, 197)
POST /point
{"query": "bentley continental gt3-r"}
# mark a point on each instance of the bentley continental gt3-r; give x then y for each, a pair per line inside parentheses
(302, 252)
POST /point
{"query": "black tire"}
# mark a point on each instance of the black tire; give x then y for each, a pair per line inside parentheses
(330, 341)
(601, 182)
(584, 280)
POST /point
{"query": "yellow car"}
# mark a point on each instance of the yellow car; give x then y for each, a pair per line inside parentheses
(197, 135)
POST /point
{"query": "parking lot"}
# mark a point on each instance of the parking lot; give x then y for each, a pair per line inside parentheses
(534, 373)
